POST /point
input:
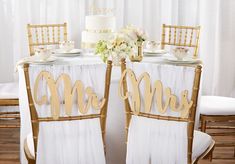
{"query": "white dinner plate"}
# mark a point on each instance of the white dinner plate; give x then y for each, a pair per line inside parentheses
(184, 61)
(62, 53)
(38, 61)
(154, 53)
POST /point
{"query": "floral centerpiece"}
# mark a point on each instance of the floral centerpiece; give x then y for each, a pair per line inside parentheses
(119, 47)
(138, 36)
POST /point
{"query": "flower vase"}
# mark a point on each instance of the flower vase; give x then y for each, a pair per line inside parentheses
(139, 56)
(116, 58)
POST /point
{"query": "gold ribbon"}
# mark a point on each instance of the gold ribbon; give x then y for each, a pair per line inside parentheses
(86, 45)
(99, 31)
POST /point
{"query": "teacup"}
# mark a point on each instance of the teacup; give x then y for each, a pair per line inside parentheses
(180, 52)
(42, 54)
(152, 45)
(66, 45)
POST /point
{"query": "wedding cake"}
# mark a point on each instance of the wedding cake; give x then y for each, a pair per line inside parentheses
(97, 27)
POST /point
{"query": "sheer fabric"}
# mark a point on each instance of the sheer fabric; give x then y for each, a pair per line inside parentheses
(70, 141)
(215, 17)
(160, 141)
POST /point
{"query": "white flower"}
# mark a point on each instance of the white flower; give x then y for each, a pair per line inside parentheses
(133, 35)
(123, 46)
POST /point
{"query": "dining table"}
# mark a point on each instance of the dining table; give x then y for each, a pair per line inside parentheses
(115, 125)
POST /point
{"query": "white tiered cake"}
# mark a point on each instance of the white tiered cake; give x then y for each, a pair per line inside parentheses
(97, 27)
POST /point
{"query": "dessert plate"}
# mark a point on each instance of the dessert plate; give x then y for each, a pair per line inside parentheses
(38, 61)
(154, 53)
(63, 53)
(183, 61)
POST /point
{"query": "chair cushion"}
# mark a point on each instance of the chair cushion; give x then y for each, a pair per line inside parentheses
(9, 90)
(29, 140)
(201, 142)
(217, 105)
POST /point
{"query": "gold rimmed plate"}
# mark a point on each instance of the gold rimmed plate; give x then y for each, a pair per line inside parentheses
(154, 53)
(39, 61)
(185, 60)
(63, 53)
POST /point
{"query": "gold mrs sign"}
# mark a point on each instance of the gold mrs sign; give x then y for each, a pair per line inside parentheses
(170, 99)
(69, 92)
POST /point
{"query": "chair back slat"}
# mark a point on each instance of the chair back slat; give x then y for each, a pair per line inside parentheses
(47, 34)
(181, 37)
(191, 37)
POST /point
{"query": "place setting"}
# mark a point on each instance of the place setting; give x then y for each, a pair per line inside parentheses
(49, 55)
(153, 49)
(181, 55)
(42, 55)
(66, 49)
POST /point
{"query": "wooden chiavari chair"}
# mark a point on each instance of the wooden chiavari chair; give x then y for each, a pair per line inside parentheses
(36, 120)
(9, 98)
(131, 109)
(185, 36)
(45, 34)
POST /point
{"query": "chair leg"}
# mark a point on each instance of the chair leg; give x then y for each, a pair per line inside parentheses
(210, 156)
(203, 125)
(234, 152)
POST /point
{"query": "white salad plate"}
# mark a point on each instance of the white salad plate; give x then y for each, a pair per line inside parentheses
(183, 61)
(154, 53)
(39, 61)
(63, 53)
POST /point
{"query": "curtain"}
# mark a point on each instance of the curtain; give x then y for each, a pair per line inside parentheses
(214, 16)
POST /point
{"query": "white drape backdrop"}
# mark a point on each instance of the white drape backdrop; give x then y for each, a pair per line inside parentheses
(215, 17)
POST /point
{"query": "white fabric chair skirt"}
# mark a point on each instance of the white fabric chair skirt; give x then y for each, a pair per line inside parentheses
(160, 141)
(69, 141)
(81, 145)
(157, 141)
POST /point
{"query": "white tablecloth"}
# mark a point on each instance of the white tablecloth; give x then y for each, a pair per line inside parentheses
(115, 127)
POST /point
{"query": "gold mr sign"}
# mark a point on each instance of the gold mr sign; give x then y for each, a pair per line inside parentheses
(69, 91)
(170, 99)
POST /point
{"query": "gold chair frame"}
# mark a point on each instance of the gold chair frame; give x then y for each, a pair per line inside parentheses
(181, 41)
(44, 34)
(190, 120)
(8, 115)
(35, 120)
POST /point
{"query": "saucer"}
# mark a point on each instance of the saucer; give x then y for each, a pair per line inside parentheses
(40, 61)
(63, 53)
(183, 61)
(154, 52)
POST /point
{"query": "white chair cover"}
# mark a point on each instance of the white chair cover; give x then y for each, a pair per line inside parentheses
(159, 141)
(70, 142)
